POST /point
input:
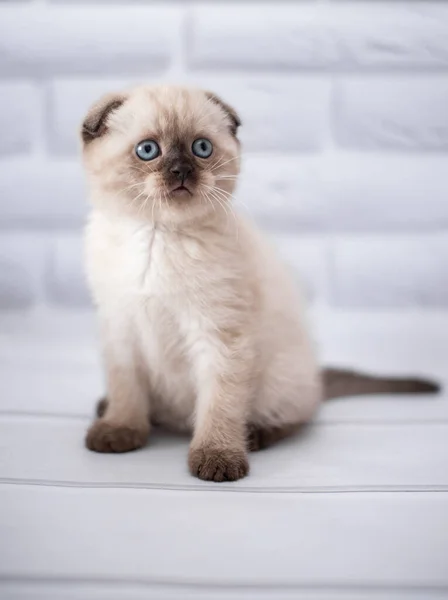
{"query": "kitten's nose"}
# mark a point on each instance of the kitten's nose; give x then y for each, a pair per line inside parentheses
(181, 171)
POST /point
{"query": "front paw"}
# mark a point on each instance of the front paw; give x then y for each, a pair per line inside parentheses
(106, 437)
(213, 464)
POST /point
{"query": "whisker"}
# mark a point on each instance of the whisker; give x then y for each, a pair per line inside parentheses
(146, 172)
(165, 199)
(238, 201)
(217, 163)
(219, 177)
(159, 203)
(134, 200)
(223, 193)
(143, 205)
(221, 196)
(224, 163)
(223, 206)
(130, 187)
(211, 197)
(152, 211)
(219, 200)
(207, 199)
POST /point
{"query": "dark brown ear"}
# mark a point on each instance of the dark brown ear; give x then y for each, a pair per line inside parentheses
(231, 112)
(95, 123)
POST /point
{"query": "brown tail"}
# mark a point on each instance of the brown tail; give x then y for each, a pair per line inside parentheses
(341, 382)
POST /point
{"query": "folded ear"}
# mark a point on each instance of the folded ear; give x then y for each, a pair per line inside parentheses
(235, 121)
(95, 122)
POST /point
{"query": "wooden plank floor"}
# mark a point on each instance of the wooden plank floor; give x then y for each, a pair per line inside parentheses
(354, 507)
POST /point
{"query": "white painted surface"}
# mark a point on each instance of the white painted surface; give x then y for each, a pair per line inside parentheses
(354, 507)
(325, 458)
(215, 537)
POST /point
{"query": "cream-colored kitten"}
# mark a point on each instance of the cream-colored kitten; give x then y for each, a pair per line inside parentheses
(202, 328)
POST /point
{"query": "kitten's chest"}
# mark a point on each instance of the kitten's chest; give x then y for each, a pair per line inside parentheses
(131, 267)
(144, 268)
(148, 266)
(151, 266)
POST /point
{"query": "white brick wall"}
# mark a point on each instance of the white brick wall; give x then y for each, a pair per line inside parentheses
(403, 114)
(402, 271)
(345, 111)
(18, 117)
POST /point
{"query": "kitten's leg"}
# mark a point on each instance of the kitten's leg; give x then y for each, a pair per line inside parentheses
(218, 450)
(101, 407)
(283, 405)
(123, 422)
(260, 437)
(285, 417)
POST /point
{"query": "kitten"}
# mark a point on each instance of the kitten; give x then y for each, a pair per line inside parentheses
(202, 328)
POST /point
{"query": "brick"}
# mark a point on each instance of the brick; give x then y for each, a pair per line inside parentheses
(374, 192)
(285, 35)
(403, 114)
(384, 34)
(41, 193)
(379, 271)
(283, 192)
(66, 282)
(284, 114)
(349, 192)
(302, 35)
(68, 39)
(19, 107)
(69, 101)
(22, 264)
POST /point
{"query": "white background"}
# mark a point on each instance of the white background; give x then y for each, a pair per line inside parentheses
(347, 102)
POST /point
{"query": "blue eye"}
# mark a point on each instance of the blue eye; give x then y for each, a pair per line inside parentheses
(202, 148)
(147, 150)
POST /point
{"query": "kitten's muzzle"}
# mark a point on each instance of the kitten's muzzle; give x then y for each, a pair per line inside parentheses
(181, 171)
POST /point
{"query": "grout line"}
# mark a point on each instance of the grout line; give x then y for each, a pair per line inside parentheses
(225, 585)
(273, 71)
(238, 70)
(233, 488)
(375, 422)
(15, 414)
(274, 227)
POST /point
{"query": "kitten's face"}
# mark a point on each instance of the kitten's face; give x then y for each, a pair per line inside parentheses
(162, 153)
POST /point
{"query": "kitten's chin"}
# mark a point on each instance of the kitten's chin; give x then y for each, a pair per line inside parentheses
(181, 192)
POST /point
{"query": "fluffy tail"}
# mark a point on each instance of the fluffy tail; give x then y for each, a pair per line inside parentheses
(341, 382)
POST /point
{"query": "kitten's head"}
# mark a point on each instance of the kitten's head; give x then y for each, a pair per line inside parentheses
(162, 153)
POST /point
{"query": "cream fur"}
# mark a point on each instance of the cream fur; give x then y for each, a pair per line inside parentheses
(202, 326)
